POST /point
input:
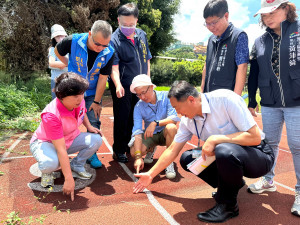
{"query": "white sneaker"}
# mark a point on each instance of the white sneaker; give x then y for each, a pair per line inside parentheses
(261, 186)
(295, 210)
(170, 171)
(47, 180)
(149, 156)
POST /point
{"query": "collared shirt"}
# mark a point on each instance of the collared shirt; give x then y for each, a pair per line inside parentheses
(224, 112)
(242, 49)
(148, 112)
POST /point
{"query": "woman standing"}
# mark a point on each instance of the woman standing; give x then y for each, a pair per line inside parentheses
(58, 134)
(275, 69)
(57, 67)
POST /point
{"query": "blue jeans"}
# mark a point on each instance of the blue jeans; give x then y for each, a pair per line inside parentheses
(95, 121)
(45, 153)
(273, 120)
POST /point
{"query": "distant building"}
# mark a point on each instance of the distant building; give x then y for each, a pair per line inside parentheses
(198, 48)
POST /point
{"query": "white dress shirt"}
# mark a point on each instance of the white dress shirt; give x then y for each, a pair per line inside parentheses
(224, 112)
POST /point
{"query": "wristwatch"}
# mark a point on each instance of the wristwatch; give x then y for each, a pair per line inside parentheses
(98, 103)
(157, 122)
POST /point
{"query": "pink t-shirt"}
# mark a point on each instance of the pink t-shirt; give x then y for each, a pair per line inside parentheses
(53, 126)
(58, 122)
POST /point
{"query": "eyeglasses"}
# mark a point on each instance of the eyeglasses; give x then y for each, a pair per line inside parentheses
(212, 24)
(143, 93)
(98, 44)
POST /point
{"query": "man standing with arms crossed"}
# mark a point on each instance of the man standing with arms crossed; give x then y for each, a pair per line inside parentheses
(132, 57)
(91, 56)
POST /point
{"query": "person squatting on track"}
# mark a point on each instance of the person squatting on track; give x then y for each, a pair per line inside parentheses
(58, 134)
(132, 57)
(159, 117)
(91, 56)
(275, 70)
(221, 119)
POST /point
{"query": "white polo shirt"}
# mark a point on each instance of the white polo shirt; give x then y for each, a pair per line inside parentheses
(224, 112)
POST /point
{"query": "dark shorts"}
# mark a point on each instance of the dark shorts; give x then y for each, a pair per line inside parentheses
(157, 139)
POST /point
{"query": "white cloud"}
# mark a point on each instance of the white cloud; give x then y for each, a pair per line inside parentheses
(189, 27)
(191, 30)
(253, 31)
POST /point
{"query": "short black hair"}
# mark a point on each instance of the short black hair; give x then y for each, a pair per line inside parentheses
(215, 8)
(181, 90)
(129, 9)
(69, 83)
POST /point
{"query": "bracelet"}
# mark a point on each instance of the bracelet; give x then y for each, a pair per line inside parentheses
(98, 103)
(137, 152)
(137, 157)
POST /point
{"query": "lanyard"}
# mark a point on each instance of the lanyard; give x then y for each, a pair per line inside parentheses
(202, 126)
(198, 132)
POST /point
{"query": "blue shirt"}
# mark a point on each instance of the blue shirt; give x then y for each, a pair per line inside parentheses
(148, 112)
(242, 49)
(224, 112)
(55, 72)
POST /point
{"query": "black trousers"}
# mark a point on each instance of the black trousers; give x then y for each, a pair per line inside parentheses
(232, 163)
(123, 118)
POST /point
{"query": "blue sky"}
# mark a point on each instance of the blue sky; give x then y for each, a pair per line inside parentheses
(188, 24)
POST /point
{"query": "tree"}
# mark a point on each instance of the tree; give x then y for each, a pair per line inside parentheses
(156, 19)
(164, 35)
(25, 27)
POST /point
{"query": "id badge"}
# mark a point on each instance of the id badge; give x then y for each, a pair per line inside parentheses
(196, 152)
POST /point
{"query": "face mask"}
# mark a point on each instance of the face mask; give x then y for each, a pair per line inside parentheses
(127, 31)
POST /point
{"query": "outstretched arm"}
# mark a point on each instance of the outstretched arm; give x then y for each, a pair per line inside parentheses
(164, 160)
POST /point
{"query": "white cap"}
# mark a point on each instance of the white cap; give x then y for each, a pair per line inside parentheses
(268, 6)
(140, 80)
(57, 30)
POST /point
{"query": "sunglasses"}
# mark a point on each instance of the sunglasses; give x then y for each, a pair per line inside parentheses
(98, 44)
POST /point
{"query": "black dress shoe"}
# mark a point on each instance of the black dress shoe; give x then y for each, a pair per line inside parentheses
(120, 157)
(219, 213)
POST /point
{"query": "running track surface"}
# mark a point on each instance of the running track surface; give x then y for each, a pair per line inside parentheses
(109, 198)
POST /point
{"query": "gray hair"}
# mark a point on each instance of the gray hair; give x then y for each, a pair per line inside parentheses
(103, 27)
(181, 90)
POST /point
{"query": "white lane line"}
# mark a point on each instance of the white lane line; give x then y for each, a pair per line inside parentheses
(5, 155)
(30, 156)
(107, 104)
(284, 186)
(195, 146)
(149, 194)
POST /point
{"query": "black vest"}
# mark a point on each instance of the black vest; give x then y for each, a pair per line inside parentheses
(284, 90)
(220, 61)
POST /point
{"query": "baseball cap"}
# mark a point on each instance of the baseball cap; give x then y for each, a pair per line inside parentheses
(268, 6)
(140, 80)
(57, 30)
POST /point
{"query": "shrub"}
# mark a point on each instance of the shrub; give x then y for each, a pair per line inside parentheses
(162, 72)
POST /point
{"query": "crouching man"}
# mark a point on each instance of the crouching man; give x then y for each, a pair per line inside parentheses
(159, 117)
(221, 119)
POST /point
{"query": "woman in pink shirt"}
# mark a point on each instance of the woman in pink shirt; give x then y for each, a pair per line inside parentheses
(58, 134)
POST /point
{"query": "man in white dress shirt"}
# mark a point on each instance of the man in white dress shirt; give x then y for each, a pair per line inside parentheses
(221, 119)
